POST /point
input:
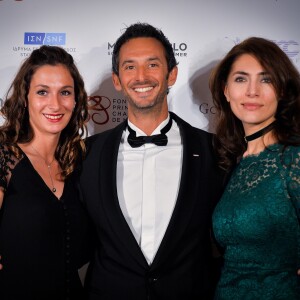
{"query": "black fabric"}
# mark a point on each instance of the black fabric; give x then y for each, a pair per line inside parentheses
(43, 240)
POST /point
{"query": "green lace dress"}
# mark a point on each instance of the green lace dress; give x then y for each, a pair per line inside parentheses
(256, 223)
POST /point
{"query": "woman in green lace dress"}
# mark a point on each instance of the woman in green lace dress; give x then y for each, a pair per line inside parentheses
(256, 90)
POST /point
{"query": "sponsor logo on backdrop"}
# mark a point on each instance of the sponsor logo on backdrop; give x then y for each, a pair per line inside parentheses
(180, 49)
(33, 40)
(103, 109)
(291, 48)
(207, 108)
(44, 38)
(119, 110)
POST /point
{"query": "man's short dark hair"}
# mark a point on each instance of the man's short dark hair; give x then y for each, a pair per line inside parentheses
(140, 30)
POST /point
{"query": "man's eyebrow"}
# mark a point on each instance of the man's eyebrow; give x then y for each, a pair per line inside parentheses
(130, 61)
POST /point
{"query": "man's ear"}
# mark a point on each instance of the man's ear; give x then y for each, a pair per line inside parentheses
(172, 76)
(116, 82)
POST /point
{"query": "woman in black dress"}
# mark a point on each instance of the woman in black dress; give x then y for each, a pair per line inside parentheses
(43, 226)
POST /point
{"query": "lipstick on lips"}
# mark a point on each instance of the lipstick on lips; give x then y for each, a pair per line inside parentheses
(53, 117)
(251, 106)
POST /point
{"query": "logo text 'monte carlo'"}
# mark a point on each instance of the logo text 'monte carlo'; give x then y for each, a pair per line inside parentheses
(176, 46)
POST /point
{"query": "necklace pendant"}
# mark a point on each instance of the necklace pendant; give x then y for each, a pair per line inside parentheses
(54, 190)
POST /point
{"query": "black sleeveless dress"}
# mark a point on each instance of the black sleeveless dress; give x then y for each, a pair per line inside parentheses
(43, 239)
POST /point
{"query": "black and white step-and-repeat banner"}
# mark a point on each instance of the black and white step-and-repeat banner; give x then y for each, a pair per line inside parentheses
(200, 31)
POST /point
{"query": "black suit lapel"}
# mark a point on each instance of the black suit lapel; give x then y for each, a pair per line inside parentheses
(108, 178)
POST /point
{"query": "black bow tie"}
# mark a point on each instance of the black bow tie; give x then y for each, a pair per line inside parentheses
(157, 139)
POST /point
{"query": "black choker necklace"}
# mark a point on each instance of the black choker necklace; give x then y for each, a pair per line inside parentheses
(259, 133)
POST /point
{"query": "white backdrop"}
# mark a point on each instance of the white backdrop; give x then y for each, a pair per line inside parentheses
(201, 32)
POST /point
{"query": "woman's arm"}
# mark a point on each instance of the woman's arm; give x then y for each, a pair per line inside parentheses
(1, 196)
(1, 200)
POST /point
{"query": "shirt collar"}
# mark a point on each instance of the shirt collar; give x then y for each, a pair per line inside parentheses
(157, 130)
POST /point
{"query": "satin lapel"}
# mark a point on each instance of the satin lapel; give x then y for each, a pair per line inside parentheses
(118, 224)
(187, 195)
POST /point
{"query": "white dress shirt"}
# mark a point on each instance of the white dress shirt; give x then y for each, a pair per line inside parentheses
(148, 181)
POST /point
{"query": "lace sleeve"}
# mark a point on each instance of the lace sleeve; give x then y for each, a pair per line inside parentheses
(7, 162)
(292, 161)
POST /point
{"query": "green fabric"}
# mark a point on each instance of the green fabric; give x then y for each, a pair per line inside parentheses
(256, 223)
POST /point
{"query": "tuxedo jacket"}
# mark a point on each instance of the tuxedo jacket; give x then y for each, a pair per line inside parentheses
(182, 267)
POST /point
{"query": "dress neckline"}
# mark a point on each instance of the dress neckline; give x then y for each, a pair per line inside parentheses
(40, 177)
(270, 148)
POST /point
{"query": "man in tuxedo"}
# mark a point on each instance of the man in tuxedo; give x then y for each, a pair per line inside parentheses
(150, 185)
